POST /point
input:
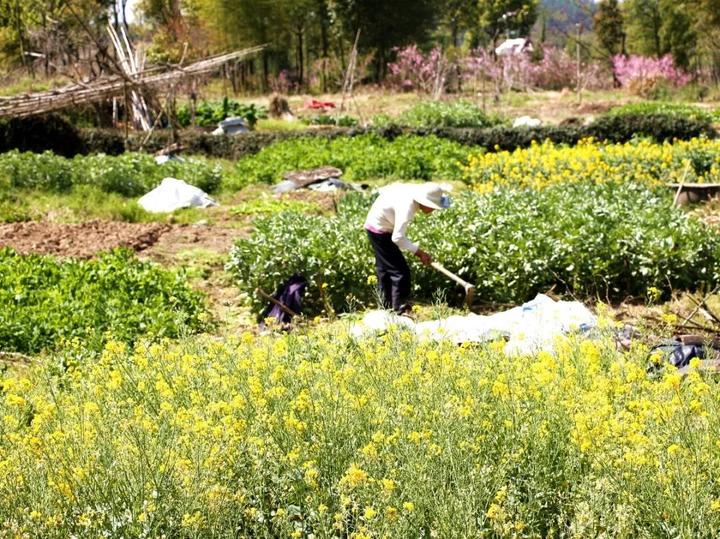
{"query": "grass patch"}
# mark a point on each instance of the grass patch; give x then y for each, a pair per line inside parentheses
(439, 114)
(272, 124)
(266, 205)
(83, 203)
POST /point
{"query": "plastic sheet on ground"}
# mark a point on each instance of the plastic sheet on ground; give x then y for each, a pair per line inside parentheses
(529, 328)
(322, 179)
(174, 194)
(332, 185)
(168, 158)
(231, 126)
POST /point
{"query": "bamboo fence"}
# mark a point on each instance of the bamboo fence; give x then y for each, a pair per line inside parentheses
(155, 79)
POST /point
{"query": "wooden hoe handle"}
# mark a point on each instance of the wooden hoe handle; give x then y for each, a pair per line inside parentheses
(469, 288)
(450, 275)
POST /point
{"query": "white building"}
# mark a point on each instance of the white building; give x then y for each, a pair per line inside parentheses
(519, 45)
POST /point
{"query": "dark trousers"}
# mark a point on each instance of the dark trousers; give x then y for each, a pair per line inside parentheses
(393, 272)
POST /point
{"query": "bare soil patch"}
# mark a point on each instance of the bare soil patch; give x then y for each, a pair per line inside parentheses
(81, 240)
(181, 238)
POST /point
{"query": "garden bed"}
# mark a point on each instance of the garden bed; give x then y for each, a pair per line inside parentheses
(658, 127)
(81, 240)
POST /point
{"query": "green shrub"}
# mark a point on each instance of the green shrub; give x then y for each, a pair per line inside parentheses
(433, 114)
(13, 208)
(360, 158)
(43, 171)
(677, 110)
(610, 240)
(195, 171)
(512, 138)
(659, 127)
(339, 121)
(49, 132)
(107, 141)
(614, 129)
(133, 174)
(130, 174)
(45, 300)
(199, 142)
(326, 250)
(210, 113)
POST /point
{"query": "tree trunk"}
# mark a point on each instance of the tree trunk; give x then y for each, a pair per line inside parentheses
(234, 78)
(300, 59)
(380, 65)
(454, 32)
(21, 39)
(324, 46)
(266, 69)
(46, 45)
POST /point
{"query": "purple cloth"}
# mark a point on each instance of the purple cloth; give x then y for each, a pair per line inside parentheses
(289, 294)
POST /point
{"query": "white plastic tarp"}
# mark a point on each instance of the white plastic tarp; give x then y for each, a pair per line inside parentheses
(162, 159)
(231, 126)
(529, 328)
(174, 194)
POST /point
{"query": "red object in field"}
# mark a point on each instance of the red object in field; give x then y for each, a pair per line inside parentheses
(319, 105)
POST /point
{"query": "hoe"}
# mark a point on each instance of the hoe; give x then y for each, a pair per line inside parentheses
(469, 288)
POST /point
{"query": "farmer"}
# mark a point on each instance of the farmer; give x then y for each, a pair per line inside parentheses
(386, 226)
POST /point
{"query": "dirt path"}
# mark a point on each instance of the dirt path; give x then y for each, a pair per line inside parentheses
(182, 238)
(202, 250)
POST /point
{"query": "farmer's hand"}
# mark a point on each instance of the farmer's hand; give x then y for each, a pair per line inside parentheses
(424, 257)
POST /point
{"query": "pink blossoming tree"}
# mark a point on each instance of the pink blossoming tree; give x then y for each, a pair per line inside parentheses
(413, 70)
(641, 73)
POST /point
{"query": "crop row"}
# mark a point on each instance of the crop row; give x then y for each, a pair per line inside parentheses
(368, 157)
(430, 157)
(361, 158)
(45, 302)
(456, 121)
(130, 174)
(642, 161)
(323, 436)
(677, 110)
(599, 239)
(611, 128)
(133, 174)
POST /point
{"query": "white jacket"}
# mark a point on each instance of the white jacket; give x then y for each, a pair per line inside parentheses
(392, 212)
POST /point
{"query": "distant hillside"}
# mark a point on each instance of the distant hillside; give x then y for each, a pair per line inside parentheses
(563, 15)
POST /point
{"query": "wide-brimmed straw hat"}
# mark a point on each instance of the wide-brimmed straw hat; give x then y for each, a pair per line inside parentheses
(431, 195)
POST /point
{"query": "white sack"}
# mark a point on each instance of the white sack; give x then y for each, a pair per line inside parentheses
(174, 194)
(526, 121)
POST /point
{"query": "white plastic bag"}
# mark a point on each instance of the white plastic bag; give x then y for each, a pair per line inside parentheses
(174, 194)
